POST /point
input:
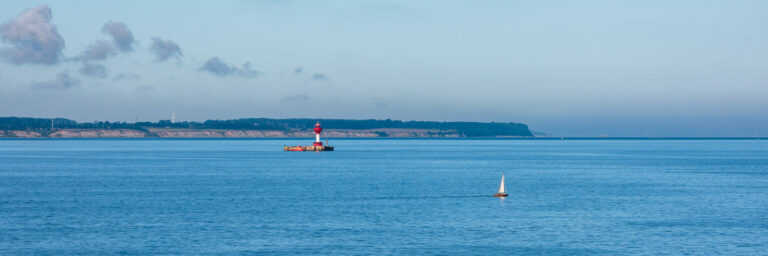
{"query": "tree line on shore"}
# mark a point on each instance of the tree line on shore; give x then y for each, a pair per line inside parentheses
(467, 129)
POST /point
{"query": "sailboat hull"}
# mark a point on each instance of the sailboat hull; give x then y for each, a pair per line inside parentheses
(500, 195)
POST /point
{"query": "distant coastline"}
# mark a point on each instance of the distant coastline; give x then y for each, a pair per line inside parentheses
(23, 127)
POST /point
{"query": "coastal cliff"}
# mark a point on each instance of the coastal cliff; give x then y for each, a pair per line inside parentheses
(20, 134)
(213, 133)
(330, 133)
(97, 133)
(16, 127)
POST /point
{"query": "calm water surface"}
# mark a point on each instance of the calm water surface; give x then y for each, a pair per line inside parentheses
(651, 197)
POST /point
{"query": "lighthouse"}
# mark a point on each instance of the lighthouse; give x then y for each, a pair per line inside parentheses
(317, 130)
(316, 146)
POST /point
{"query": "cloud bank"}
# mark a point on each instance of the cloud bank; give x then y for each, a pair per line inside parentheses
(93, 70)
(319, 77)
(34, 39)
(220, 68)
(99, 50)
(62, 81)
(121, 35)
(164, 49)
(126, 76)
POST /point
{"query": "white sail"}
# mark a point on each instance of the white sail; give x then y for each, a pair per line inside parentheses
(502, 189)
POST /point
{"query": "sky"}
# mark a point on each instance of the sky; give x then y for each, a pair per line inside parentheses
(565, 68)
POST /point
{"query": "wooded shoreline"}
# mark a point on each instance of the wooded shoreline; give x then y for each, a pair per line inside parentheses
(15, 127)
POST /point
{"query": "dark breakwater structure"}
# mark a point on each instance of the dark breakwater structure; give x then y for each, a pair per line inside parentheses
(316, 146)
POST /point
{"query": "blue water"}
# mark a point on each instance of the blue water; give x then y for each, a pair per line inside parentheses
(185, 197)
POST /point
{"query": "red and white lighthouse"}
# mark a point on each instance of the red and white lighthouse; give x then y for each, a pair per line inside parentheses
(317, 130)
(317, 146)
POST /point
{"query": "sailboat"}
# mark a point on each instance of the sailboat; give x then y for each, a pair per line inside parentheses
(502, 188)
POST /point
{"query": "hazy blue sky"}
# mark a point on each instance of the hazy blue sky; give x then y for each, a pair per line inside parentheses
(619, 68)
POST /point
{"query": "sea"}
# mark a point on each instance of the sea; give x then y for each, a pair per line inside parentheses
(384, 197)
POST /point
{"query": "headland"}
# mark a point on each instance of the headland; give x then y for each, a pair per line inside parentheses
(24, 127)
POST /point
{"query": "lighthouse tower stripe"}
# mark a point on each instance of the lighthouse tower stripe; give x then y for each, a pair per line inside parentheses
(317, 130)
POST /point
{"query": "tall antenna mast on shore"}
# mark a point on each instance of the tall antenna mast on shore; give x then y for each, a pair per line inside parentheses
(51, 122)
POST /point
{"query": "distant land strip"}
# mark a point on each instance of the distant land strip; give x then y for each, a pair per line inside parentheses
(26, 127)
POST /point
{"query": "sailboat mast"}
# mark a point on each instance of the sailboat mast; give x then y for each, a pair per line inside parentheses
(505, 186)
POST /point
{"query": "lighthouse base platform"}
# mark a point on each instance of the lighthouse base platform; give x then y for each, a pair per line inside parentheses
(307, 148)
